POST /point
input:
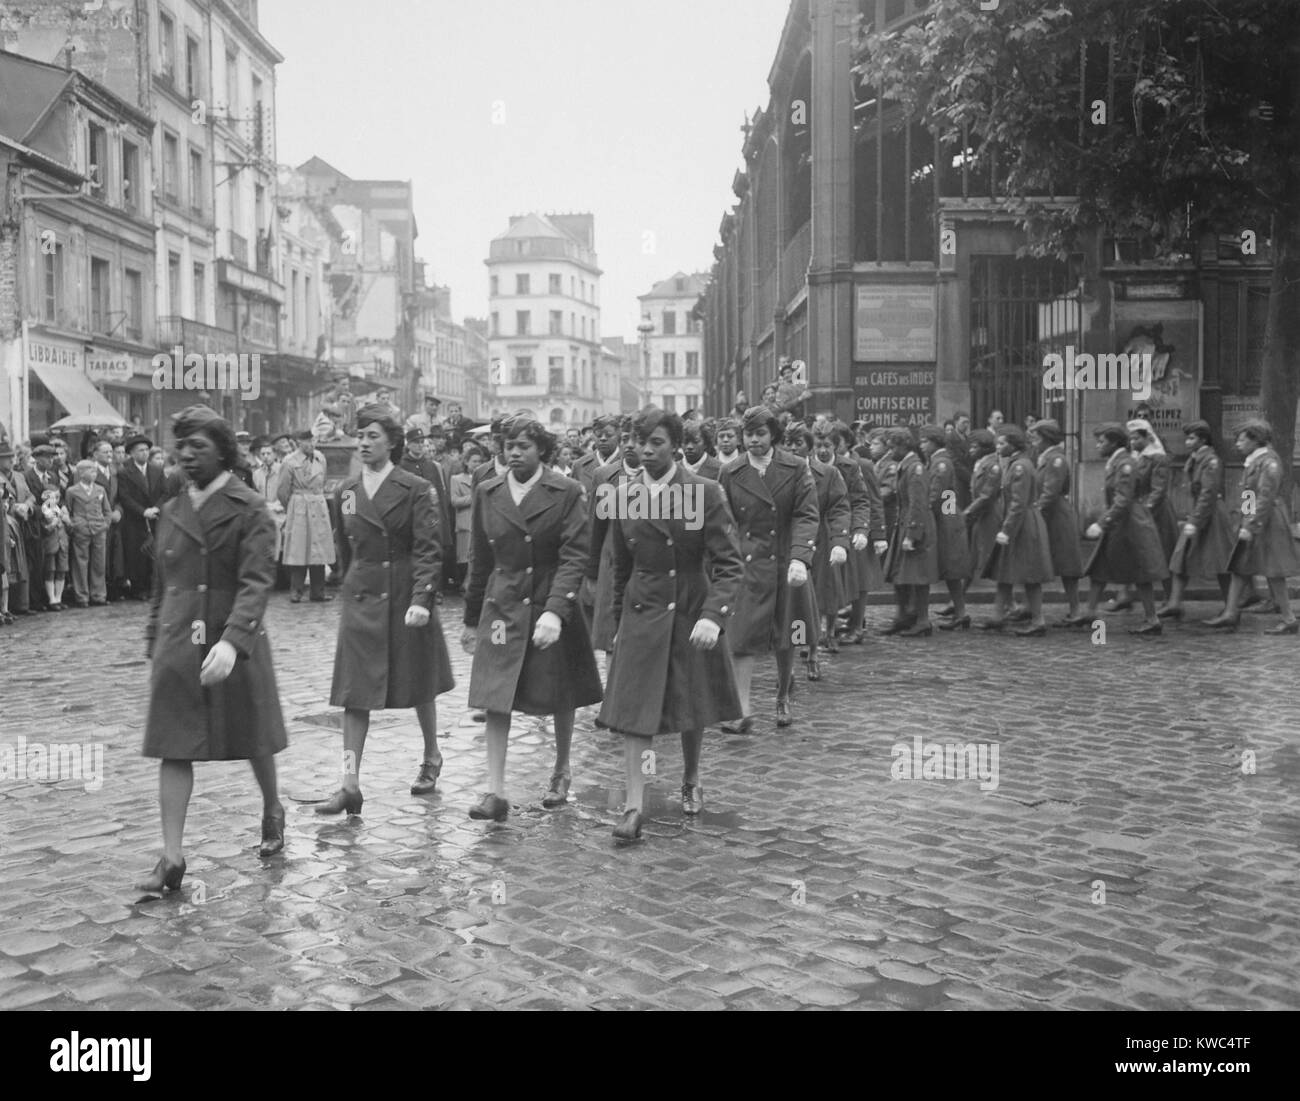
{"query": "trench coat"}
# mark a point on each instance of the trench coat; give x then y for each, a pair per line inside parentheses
(950, 526)
(1129, 551)
(919, 566)
(666, 579)
(392, 561)
(1058, 513)
(862, 573)
(600, 557)
(834, 529)
(1271, 551)
(984, 516)
(1154, 477)
(461, 494)
(1206, 553)
(778, 519)
(1027, 559)
(212, 577)
(528, 559)
(300, 489)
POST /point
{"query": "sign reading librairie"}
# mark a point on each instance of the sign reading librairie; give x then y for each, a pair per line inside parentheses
(895, 324)
(888, 396)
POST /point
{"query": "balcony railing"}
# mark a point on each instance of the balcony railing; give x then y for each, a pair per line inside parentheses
(194, 336)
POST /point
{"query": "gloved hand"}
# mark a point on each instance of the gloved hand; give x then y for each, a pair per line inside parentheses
(860, 542)
(705, 635)
(908, 545)
(1189, 530)
(839, 556)
(1003, 539)
(797, 575)
(1094, 532)
(881, 547)
(218, 665)
(547, 632)
(417, 616)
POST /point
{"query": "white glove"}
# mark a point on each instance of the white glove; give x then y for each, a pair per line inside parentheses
(1093, 532)
(151, 513)
(881, 547)
(1189, 530)
(839, 556)
(705, 635)
(1003, 539)
(547, 632)
(417, 616)
(797, 574)
(1244, 535)
(218, 665)
(908, 545)
(859, 542)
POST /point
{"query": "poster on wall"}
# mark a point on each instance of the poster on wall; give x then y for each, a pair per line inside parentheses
(895, 324)
(1170, 334)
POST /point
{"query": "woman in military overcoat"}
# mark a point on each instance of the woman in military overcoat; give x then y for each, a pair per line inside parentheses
(623, 468)
(523, 622)
(774, 502)
(912, 564)
(212, 690)
(952, 546)
(390, 652)
(1206, 539)
(862, 573)
(1057, 510)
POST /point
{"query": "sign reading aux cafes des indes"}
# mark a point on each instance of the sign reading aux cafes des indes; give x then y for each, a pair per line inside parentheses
(895, 327)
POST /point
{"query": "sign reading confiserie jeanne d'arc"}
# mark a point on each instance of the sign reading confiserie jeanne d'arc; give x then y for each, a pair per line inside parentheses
(895, 324)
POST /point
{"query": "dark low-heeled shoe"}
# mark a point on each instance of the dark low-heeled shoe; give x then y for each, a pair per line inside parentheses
(1156, 628)
(743, 727)
(783, 716)
(166, 877)
(962, 624)
(491, 808)
(692, 799)
(1292, 628)
(1077, 621)
(897, 627)
(1170, 613)
(629, 829)
(1019, 615)
(1222, 622)
(557, 795)
(991, 625)
(342, 800)
(832, 645)
(814, 669)
(1119, 605)
(918, 630)
(427, 782)
(1039, 631)
(272, 834)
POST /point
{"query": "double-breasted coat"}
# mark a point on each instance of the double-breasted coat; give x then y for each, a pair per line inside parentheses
(777, 518)
(887, 474)
(709, 468)
(1271, 551)
(392, 561)
(528, 559)
(953, 547)
(834, 529)
(300, 489)
(862, 572)
(1027, 559)
(213, 574)
(1154, 478)
(984, 516)
(1058, 513)
(1129, 551)
(435, 473)
(136, 493)
(667, 578)
(600, 554)
(915, 521)
(1206, 553)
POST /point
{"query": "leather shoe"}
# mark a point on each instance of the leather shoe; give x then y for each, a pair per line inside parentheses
(1263, 607)
(962, 624)
(814, 668)
(1292, 628)
(1118, 605)
(1170, 613)
(1222, 622)
(296, 598)
(991, 624)
(1019, 615)
(743, 727)
(427, 781)
(692, 798)
(629, 829)
(1040, 631)
(897, 627)
(1077, 621)
(491, 808)
(272, 834)
(322, 599)
(557, 795)
(1148, 629)
(342, 800)
(946, 613)
(783, 716)
(166, 877)
(924, 629)
(478, 717)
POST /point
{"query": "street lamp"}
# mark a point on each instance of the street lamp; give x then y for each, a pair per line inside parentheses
(645, 329)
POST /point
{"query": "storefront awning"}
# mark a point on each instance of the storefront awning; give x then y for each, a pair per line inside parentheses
(74, 392)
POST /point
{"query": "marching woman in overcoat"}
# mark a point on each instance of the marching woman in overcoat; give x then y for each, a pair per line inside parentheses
(953, 548)
(912, 564)
(599, 582)
(1128, 548)
(675, 589)
(774, 502)
(1205, 543)
(1265, 545)
(984, 513)
(308, 537)
(390, 652)
(1154, 479)
(1022, 553)
(862, 572)
(1057, 511)
(826, 595)
(523, 623)
(212, 691)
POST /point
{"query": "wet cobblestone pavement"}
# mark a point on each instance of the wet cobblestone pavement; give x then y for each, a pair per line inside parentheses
(1125, 859)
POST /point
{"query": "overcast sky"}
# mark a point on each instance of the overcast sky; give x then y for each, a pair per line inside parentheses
(631, 111)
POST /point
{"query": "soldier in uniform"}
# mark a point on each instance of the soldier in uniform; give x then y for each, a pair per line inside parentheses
(1057, 510)
(912, 563)
(697, 451)
(950, 525)
(599, 580)
(606, 446)
(862, 572)
(1205, 542)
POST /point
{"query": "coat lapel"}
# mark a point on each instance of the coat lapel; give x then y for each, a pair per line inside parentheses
(185, 518)
(504, 503)
(389, 495)
(546, 493)
(749, 477)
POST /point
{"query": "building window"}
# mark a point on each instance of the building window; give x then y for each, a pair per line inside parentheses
(522, 284)
(670, 403)
(133, 303)
(193, 72)
(523, 322)
(259, 124)
(232, 84)
(174, 283)
(496, 324)
(556, 287)
(584, 328)
(524, 373)
(557, 323)
(200, 292)
(98, 166)
(692, 363)
(99, 303)
(494, 286)
(52, 289)
(196, 181)
(670, 323)
(167, 45)
(556, 374)
(295, 323)
(172, 167)
(130, 176)
(670, 363)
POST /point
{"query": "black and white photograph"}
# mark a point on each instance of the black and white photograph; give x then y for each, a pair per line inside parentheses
(794, 503)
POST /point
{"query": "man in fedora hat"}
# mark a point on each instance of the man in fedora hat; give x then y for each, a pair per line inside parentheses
(141, 490)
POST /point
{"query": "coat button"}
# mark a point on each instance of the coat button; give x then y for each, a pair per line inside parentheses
(774, 558)
(527, 602)
(383, 596)
(529, 570)
(670, 542)
(672, 607)
(572, 596)
(387, 564)
(725, 609)
(749, 558)
(171, 588)
(528, 538)
(672, 573)
(203, 588)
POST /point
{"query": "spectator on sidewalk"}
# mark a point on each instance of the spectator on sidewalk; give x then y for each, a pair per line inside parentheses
(90, 516)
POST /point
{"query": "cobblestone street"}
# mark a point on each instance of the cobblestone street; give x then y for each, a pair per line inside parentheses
(1124, 859)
